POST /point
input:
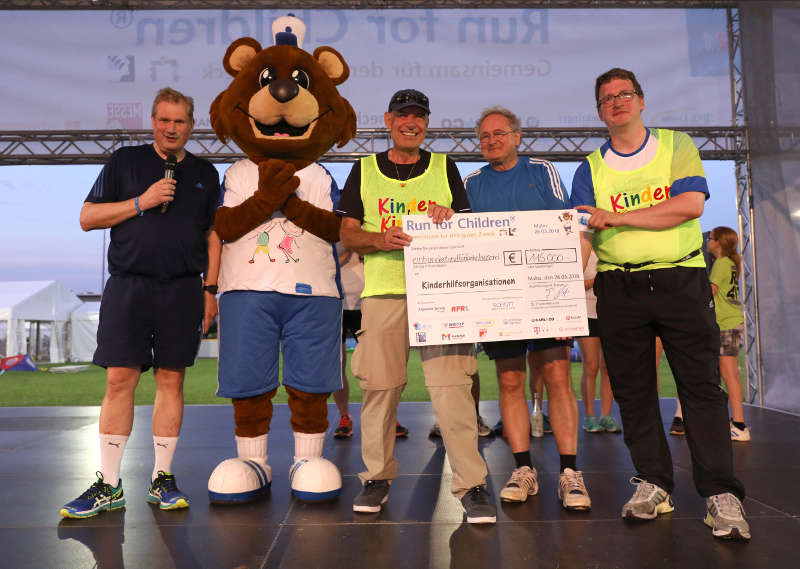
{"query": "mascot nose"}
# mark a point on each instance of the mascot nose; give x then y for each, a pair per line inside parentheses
(283, 90)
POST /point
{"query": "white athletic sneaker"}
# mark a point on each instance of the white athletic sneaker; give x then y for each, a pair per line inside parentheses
(740, 435)
(725, 516)
(523, 483)
(572, 491)
(647, 501)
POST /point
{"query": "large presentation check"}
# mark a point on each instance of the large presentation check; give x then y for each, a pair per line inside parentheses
(483, 277)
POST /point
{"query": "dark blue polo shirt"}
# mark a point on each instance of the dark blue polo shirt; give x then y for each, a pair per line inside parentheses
(161, 246)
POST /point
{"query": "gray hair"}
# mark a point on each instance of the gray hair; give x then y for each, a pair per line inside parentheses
(513, 119)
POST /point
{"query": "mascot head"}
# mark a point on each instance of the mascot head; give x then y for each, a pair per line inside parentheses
(283, 102)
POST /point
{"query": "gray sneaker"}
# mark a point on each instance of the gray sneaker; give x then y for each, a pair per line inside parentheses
(572, 491)
(725, 517)
(372, 496)
(647, 501)
(479, 509)
(484, 430)
(523, 483)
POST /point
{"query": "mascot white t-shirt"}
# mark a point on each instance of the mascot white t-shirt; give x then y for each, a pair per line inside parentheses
(277, 255)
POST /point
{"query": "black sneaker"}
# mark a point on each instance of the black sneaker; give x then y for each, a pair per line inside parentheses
(677, 427)
(400, 430)
(498, 428)
(372, 496)
(479, 509)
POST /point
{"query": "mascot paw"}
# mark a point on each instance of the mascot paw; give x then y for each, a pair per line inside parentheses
(238, 480)
(276, 182)
(315, 480)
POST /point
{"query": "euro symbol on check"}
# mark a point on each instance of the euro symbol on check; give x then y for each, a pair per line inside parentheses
(512, 257)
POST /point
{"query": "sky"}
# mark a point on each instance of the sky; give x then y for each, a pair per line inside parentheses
(40, 238)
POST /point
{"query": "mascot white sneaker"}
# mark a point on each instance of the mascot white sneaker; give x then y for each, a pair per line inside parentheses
(315, 480)
(238, 480)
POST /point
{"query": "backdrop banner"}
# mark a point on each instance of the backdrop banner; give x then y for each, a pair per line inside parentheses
(771, 69)
(85, 70)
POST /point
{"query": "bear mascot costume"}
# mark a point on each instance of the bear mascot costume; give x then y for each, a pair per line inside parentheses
(278, 271)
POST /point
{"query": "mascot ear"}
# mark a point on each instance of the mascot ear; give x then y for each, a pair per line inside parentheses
(333, 64)
(239, 54)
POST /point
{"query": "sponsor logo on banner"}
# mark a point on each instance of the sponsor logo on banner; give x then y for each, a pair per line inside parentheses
(122, 68)
(124, 115)
(454, 324)
(460, 308)
(446, 337)
(422, 337)
(482, 332)
(164, 69)
(420, 326)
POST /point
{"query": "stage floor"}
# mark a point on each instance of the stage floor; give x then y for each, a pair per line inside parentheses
(48, 456)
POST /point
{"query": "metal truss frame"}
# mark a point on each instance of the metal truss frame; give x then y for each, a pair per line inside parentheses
(744, 203)
(556, 144)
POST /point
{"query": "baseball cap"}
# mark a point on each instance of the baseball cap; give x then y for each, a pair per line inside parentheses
(409, 98)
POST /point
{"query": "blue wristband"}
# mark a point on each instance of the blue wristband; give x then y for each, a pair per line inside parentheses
(136, 205)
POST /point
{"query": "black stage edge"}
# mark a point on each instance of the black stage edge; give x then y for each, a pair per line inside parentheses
(48, 457)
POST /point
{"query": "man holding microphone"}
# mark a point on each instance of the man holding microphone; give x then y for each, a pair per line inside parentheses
(159, 201)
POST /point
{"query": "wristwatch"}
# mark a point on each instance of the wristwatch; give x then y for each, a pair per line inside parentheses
(211, 288)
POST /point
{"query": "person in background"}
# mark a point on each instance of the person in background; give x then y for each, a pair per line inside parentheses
(722, 244)
(592, 361)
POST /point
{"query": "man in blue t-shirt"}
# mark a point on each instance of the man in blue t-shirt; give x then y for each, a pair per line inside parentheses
(511, 183)
(154, 305)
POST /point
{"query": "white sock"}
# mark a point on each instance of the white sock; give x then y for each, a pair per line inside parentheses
(308, 445)
(111, 449)
(253, 448)
(164, 449)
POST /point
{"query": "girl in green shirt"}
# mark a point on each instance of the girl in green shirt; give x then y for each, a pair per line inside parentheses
(722, 245)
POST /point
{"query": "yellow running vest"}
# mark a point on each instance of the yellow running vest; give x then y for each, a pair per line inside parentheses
(385, 202)
(649, 185)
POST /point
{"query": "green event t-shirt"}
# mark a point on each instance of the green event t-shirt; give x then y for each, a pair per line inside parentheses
(727, 305)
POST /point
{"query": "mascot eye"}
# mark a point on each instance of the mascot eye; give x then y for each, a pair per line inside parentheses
(301, 78)
(266, 76)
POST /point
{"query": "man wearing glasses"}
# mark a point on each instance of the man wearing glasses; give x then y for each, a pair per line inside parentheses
(379, 189)
(645, 190)
(511, 183)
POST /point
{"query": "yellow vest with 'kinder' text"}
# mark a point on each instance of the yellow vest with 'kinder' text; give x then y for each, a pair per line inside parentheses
(647, 186)
(386, 201)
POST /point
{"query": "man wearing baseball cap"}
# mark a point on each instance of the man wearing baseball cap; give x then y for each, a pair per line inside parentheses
(379, 190)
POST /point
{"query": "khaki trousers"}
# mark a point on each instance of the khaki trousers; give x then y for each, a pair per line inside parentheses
(380, 363)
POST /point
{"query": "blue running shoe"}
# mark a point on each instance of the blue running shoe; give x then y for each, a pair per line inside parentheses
(100, 496)
(164, 492)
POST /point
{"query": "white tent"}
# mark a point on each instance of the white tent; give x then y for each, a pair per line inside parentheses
(84, 321)
(35, 313)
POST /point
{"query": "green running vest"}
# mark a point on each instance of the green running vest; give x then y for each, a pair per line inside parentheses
(637, 189)
(385, 202)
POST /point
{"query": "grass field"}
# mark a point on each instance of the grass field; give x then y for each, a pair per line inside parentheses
(87, 387)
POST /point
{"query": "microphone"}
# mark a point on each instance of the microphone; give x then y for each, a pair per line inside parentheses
(169, 173)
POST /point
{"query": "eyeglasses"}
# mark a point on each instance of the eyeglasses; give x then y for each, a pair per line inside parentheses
(497, 135)
(623, 96)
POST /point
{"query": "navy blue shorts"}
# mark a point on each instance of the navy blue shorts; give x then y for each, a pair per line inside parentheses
(515, 348)
(148, 322)
(351, 323)
(255, 326)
